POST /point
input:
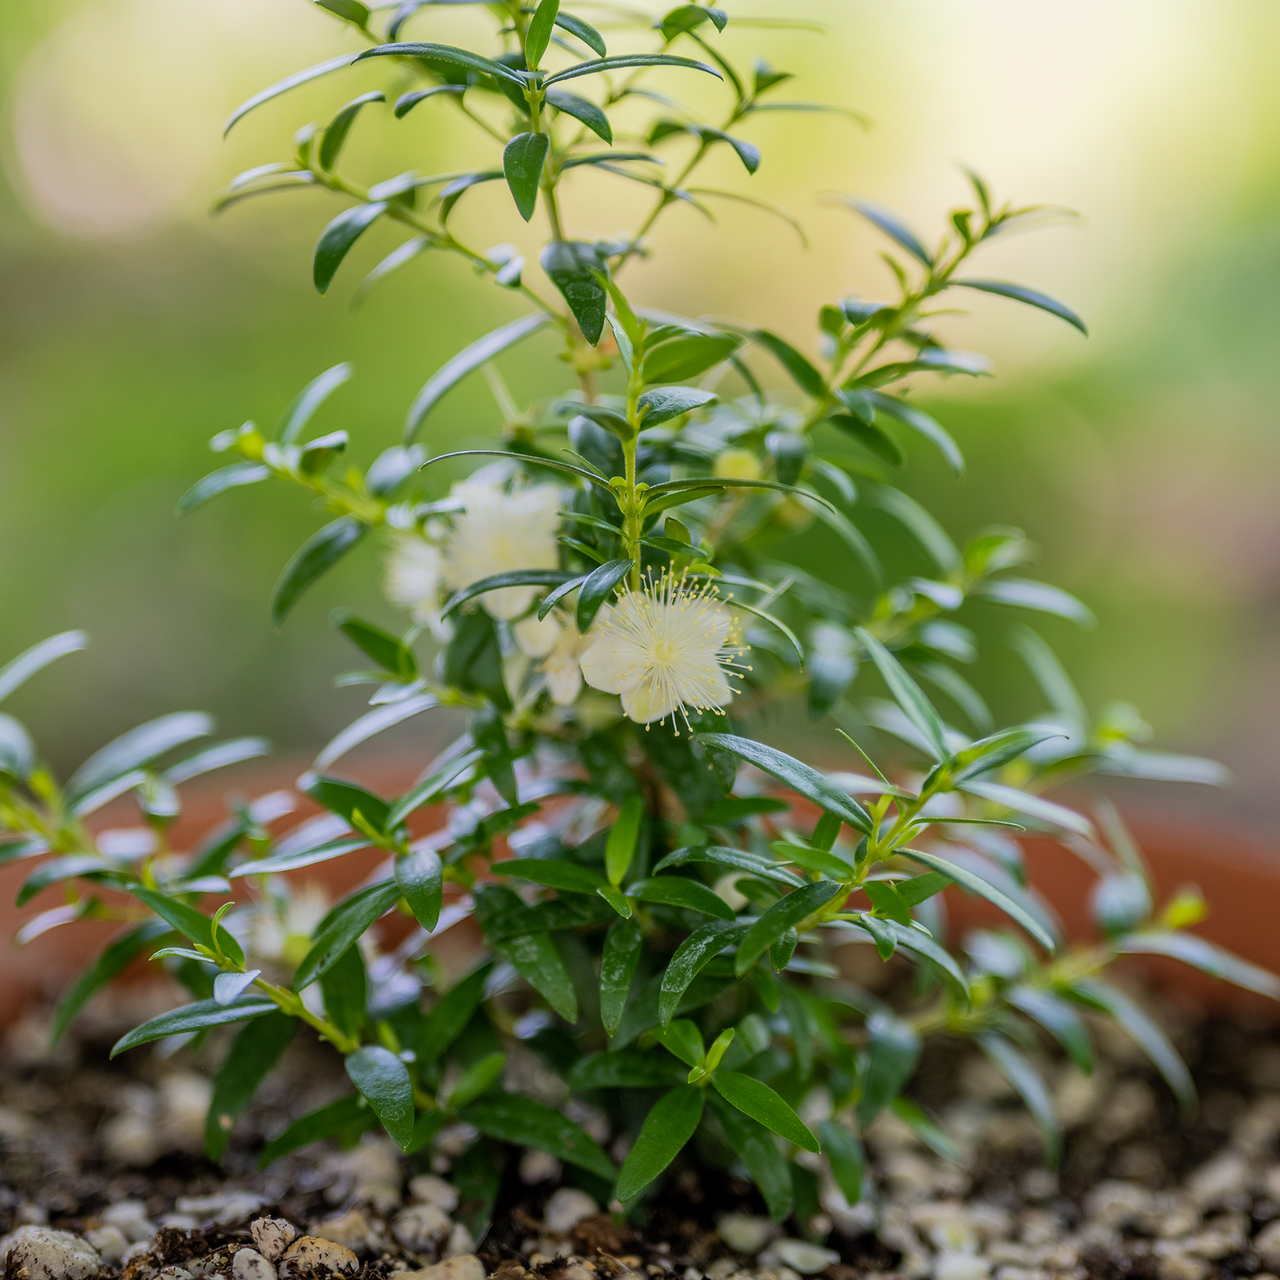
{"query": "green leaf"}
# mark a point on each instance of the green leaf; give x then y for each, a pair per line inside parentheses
(216, 482)
(920, 888)
(526, 1123)
(512, 578)
(255, 1050)
(346, 800)
(922, 424)
(450, 56)
(1050, 675)
(618, 962)
(1020, 593)
(924, 1129)
(304, 405)
(372, 723)
(522, 162)
(584, 31)
(554, 873)
(477, 1079)
(352, 11)
(420, 877)
(194, 1017)
(845, 1155)
(756, 1099)
(668, 1126)
(188, 921)
(335, 134)
(892, 225)
(596, 589)
(976, 884)
(384, 1081)
(625, 1069)
(292, 859)
(621, 845)
(577, 270)
(131, 751)
(690, 958)
(312, 560)
(800, 777)
(337, 238)
(1032, 806)
(907, 694)
(682, 1039)
(735, 859)
(1032, 297)
(801, 369)
(446, 1022)
(113, 959)
(325, 1122)
(757, 1148)
(870, 436)
(922, 526)
(1030, 1087)
(468, 359)
(430, 788)
(677, 891)
(885, 900)
(686, 357)
(343, 925)
(473, 659)
(388, 651)
(538, 33)
(1203, 955)
(407, 101)
(289, 82)
(1058, 1018)
(346, 991)
(787, 913)
(535, 958)
(892, 1053)
(627, 60)
(56, 870)
(819, 860)
(664, 403)
(583, 111)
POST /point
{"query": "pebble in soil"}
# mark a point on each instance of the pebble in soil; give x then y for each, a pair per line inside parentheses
(101, 1177)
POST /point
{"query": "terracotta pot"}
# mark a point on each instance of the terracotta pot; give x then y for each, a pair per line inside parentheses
(1239, 875)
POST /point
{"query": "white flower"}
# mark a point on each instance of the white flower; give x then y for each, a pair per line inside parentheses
(665, 649)
(498, 532)
(558, 643)
(414, 571)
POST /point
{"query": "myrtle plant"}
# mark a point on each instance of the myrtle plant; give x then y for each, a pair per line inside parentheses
(659, 900)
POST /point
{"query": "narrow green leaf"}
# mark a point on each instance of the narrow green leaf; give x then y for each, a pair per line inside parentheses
(577, 270)
(597, 588)
(1032, 298)
(345, 987)
(431, 788)
(1058, 1018)
(618, 963)
(420, 877)
(844, 1153)
(292, 859)
(325, 1122)
(538, 34)
(1032, 806)
(687, 357)
(801, 369)
(522, 162)
(584, 31)
(621, 844)
(1030, 1087)
(346, 800)
(624, 62)
(477, 1079)
(690, 958)
(677, 891)
(447, 54)
(345, 923)
(922, 424)
(468, 359)
(509, 1117)
(513, 578)
(668, 1126)
(337, 238)
(216, 482)
(757, 1148)
(133, 750)
(583, 111)
(976, 884)
(1203, 955)
(790, 912)
(664, 403)
(892, 1053)
(311, 561)
(929, 1133)
(625, 1069)
(793, 773)
(335, 134)
(535, 958)
(446, 1022)
(372, 723)
(762, 1104)
(907, 694)
(385, 1084)
(188, 921)
(819, 860)
(892, 226)
(289, 82)
(257, 1048)
(735, 859)
(194, 1017)
(1020, 593)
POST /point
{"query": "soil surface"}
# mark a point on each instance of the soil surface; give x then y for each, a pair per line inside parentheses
(112, 1152)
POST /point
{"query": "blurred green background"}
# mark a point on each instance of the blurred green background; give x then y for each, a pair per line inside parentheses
(1144, 461)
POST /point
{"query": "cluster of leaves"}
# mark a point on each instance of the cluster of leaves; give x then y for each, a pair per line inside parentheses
(664, 934)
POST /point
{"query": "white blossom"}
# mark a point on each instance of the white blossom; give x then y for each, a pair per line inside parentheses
(559, 644)
(414, 575)
(665, 649)
(498, 532)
